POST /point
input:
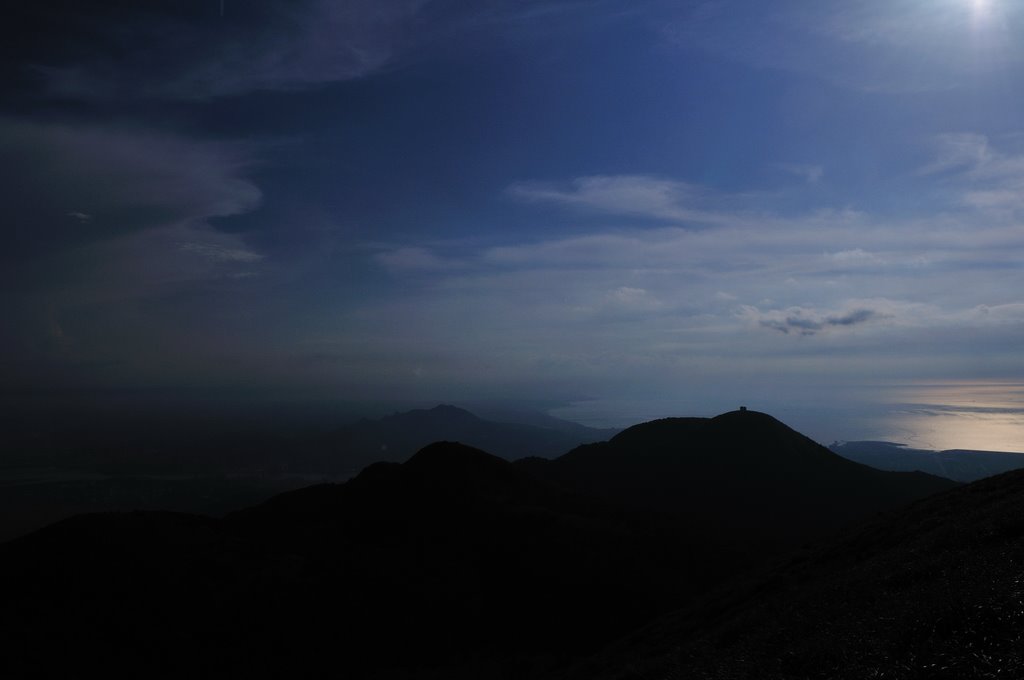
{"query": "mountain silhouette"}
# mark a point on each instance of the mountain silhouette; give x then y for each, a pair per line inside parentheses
(740, 473)
(153, 441)
(400, 435)
(453, 564)
(930, 591)
(456, 561)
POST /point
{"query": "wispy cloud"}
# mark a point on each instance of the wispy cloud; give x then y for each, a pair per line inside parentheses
(277, 45)
(803, 321)
(630, 195)
(819, 246)
(415, 259)
(989, 178)
(118, 180)
(197, 53)
(220, 253)
(660, 298)
(811, 174)
(300, 45)
(108, 217)
(962, 151)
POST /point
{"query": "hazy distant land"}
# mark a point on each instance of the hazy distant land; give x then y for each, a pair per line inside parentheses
(211, 466)
(958, 464)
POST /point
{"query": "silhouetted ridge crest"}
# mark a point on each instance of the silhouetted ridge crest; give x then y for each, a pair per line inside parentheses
(437, 474)
(658, 428)
(453, 456)
(399, 436)
(452, 467)
(746, 441)
(749, 433)
(454, 552)
(742, 471)
(458, 466)
(453, 557)
(371, 474)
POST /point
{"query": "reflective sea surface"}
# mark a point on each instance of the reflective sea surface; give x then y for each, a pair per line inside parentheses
(984, 416)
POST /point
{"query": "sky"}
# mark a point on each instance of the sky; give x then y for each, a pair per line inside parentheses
(707, 203)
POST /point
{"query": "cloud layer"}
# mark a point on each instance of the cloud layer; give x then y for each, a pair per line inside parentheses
(191, 51)
(78, 184)
(561, 198)
(871, 293)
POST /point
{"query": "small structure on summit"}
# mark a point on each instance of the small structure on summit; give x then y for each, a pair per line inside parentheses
(743, 408)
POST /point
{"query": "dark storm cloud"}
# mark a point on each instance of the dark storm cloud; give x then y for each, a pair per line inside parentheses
(809, 323)
(76, 184)
(852, 318)
(201, 49)
(189, 50)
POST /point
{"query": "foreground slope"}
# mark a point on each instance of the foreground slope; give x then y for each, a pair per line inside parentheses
(454, 562)
(740, 473)
(933, 591)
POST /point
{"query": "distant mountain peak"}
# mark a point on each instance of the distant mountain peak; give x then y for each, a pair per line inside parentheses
(744, 414)
(451, 408)
(442, 413)
(400, 435)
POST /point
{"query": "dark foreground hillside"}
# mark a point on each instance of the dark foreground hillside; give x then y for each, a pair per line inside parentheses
(935, 591)
(454, 564)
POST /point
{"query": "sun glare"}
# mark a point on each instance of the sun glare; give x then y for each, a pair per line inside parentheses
(985, 416)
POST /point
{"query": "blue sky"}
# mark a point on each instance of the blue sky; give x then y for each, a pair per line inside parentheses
(709, 202)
